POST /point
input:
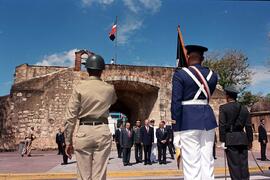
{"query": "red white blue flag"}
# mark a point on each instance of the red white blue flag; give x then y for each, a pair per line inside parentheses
(113, 32)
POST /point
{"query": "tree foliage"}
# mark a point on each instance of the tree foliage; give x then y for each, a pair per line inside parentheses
(248, 99)
(232, 68)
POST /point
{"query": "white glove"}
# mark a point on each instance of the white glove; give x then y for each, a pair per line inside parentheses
(222, 146)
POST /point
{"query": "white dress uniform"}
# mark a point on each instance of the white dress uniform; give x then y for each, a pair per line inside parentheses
(153, 156)
(195, 120)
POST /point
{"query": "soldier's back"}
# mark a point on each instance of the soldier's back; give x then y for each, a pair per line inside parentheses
(96, 97)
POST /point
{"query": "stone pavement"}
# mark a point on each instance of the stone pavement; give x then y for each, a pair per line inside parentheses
(44, 163)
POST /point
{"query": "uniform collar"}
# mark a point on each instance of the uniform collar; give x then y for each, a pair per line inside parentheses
(197, 65)
(94, 78)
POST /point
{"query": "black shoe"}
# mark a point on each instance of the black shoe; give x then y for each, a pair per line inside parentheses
(64, 163)
(150, 163)
(29, 155)
(215, 157)
(145, 163)
(172, 157)
(129, 164)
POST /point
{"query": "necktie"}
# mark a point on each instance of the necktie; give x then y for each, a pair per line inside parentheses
(129, 133)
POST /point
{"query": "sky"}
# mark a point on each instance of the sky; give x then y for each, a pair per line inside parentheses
(49, 32)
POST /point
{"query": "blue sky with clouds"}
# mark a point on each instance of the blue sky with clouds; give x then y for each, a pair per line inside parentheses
(49, 32)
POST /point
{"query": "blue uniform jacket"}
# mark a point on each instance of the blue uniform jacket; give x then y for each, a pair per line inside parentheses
(191, 117)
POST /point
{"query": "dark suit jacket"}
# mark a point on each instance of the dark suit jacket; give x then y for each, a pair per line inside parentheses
(137, 135)
(227, 114)
(170, 132)
(60, 139)
(117, 136)
(262, 134)
(125, 140)
(162, 136)
(147, 138)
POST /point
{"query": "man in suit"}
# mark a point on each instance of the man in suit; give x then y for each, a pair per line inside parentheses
(192, 88)
(147, 138)
(234, 118)
(126, 142)
(63, 147)
(117, 141)
(263, 140)
(162, 140)
(58, 140)
(170, 141)
(137, 142)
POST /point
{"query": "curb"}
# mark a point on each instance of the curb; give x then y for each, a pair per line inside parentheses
(111, 174)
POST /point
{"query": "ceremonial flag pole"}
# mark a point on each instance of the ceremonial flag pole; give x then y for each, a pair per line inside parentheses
(113, 36)
(181, 61)
(181, 56)
(116, 40)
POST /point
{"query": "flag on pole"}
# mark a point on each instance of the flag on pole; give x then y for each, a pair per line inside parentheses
(113, 32)
(181, 55)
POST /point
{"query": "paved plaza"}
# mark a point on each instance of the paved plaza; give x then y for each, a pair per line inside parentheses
(46, 165)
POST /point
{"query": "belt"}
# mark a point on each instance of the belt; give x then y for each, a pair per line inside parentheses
(93, 121)
(195, 102)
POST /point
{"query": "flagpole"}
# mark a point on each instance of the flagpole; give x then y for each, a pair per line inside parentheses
(182, 42)
(116, 40)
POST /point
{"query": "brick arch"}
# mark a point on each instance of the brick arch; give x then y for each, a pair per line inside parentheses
(136, 96)
(78, 58)
(127, 78)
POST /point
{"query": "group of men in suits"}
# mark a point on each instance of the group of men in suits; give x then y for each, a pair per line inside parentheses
(143, 138)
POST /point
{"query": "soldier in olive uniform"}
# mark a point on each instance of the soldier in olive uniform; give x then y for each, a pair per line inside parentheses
(90, 103)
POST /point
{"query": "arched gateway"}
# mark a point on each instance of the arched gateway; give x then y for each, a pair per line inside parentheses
(40, 93)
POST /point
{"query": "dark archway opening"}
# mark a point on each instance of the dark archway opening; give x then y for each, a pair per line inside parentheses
(122, 108)
(135, 99)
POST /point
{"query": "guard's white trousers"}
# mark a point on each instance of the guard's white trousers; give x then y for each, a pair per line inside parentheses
(197, 153)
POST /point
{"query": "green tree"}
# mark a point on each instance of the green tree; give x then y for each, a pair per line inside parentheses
(267, 97)
(248, 99)
(232, 68)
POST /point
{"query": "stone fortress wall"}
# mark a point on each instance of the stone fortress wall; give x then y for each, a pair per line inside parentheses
(39, 96)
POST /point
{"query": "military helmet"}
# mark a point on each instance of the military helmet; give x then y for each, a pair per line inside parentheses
(95, 62)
